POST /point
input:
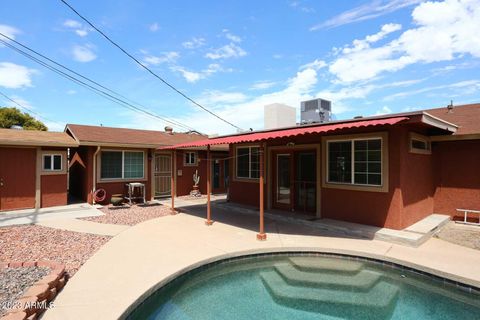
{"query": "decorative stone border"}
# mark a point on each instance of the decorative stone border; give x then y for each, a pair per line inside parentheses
(38, 297)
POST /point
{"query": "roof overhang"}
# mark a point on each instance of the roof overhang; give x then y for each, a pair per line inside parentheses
(438, 123)
(118, 145)
(290, 132)
(27, 143)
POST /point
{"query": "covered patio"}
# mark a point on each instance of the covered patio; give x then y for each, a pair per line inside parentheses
(277, 158)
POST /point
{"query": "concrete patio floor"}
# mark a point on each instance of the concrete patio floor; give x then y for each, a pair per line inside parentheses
(144, 257)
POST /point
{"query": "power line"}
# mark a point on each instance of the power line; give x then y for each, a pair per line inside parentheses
(147, 68)
(171, 121)
(28, 109)
(100, 92)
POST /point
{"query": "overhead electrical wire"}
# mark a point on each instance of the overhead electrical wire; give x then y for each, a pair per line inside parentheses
(98, 91)
(171, 86)
(28, 109)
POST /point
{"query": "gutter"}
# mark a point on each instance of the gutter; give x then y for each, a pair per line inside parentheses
(95, 172)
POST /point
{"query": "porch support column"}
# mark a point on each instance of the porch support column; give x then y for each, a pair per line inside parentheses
(261, 235)
(172, 181)
(209, 221)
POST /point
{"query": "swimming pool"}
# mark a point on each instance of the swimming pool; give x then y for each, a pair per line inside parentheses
(303, 286)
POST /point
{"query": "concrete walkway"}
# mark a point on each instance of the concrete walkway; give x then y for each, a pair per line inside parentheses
(31, 216)
(144, 257)
(84, 226)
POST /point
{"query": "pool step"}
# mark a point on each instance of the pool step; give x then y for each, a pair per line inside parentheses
(377, 303)
(326, 265)
(361, 281)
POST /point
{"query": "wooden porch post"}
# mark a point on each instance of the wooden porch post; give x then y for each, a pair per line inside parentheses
(172, 180)
(209, 221)
(261, 235)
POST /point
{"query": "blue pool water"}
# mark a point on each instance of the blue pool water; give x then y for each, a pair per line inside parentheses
(307, 287)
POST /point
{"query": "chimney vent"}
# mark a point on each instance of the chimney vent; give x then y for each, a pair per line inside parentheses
(169, 130)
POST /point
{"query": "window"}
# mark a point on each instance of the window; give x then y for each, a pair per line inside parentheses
(248, 162)
(52, 162)
(355, 161)
(122, 165)
(419, 144)
(190, 159)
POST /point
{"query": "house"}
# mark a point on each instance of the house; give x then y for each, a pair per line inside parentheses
(33, 168)
(386, 171)
(109, 158)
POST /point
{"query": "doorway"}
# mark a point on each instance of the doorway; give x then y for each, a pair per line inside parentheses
(295, 181)
(162, 174)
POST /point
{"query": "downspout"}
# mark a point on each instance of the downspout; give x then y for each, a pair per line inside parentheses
(95, 172)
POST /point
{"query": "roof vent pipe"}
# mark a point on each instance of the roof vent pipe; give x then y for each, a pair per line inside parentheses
(450, 106)
(169, 130)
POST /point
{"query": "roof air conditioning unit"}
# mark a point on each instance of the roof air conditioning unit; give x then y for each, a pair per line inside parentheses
(315, 111)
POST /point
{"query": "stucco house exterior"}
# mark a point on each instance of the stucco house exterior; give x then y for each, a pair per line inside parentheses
(109, 158)
(33, 168)
(386, 171)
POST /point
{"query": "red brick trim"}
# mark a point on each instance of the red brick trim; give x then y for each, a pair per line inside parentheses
(37, 298)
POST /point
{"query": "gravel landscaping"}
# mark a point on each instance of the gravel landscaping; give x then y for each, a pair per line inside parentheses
(15, 281)
(34, 243)
(464, 235)
(130, 215)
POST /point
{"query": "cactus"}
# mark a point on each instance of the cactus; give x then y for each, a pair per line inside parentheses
(196, 179)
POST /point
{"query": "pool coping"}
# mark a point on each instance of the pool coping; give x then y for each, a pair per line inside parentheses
(182, 243)
(207, 263)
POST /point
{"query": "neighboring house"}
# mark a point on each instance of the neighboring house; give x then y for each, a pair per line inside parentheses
(109, 158)
(33, 168)
(386, 171)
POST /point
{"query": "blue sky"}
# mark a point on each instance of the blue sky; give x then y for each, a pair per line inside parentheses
(368, 57)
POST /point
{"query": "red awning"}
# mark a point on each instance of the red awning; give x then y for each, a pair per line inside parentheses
(267, 135)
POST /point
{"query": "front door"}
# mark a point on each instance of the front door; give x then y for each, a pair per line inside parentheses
(162, 175)
(17, 178)
(283, 195)
(294, 181)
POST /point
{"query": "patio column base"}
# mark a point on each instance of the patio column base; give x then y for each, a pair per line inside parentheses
(173, 212)
(208, 222)
(261, 236)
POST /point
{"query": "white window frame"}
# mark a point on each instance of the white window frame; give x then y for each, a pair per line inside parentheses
(419, 137)
(187, 155)
(123, 165)
(52, 156)
(249, 162)
(352, 140)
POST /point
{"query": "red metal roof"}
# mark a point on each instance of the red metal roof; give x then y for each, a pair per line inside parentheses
(258, 136)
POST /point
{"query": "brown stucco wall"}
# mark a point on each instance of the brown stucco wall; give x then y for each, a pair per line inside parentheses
(84, 176)
(18, 172)
(410, 195)
(53, 190)
(457, 176)
(184, 182)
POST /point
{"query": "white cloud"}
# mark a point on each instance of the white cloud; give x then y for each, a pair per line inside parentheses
(80, 29)
(363, 44)
(194, 43)
(83, 53)
(300, 6)
(192, 76)
(164, 57)
(297, 89)
(262, 85)
(384, 110)
(445, 30)
(71, 91)
(232, 37)
(371, 10)
(230, 50)
(14, 76)
(154, 27)
(213, 97)
(9, 31)
(466, 87)
(316, 64)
